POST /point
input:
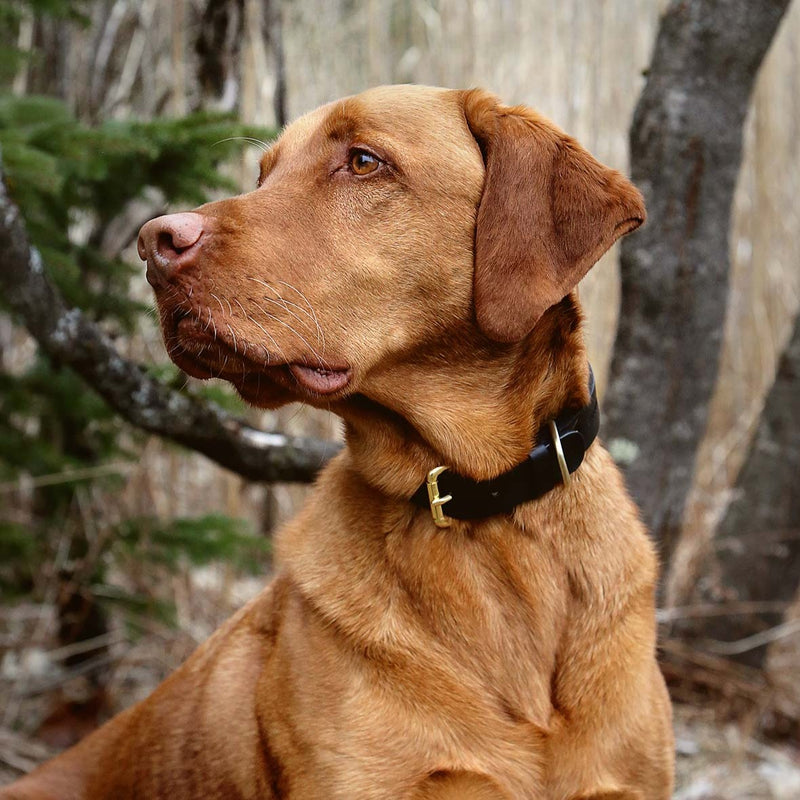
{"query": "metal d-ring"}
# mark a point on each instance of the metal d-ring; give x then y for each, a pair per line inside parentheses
(562, 462)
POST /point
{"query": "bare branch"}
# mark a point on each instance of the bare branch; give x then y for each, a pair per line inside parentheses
(754, 642)
(69, 338)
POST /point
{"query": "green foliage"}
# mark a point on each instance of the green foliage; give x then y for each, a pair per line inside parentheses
(12, 10)
(159, 548)
(73, 184)
(136, 607)
(213, 537)
(17, 556)
(72, 181)
(12, 13)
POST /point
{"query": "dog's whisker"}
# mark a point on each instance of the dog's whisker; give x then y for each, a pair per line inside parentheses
(286, 303)
(233, 336)
(219, 302)
(300, 336)
(311, 314)
(246, 316)
(271, 338)
(258, 281)
(273, 318)
(263, 146)
(300, 294)
(310, 308)
(281, 300)
(282, 304)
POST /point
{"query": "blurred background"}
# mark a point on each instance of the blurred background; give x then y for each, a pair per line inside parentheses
(120, 552)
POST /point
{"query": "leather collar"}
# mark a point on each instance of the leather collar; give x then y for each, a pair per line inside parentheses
(452, 496)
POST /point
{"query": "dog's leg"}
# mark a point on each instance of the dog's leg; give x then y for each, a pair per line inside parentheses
(458, 786)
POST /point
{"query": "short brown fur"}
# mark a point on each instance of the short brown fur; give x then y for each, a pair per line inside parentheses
(510, 657)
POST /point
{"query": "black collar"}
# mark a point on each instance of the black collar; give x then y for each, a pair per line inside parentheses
(450, 495)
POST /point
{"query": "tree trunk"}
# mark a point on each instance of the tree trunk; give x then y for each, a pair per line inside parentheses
(686, 147)
(756, 550)
(217, 47)
(274, 25)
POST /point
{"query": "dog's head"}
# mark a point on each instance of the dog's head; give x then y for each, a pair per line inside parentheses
(384, 227)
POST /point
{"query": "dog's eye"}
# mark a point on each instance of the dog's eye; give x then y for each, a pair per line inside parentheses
(362, 162)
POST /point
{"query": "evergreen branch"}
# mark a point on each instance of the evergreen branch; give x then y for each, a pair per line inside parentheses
(68, 337)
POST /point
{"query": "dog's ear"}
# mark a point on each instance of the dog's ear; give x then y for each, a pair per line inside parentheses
(549, 210)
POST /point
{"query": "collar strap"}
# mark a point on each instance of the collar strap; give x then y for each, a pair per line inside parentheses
(559, 450)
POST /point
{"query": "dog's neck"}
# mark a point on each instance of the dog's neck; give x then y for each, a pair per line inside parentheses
(470, 404)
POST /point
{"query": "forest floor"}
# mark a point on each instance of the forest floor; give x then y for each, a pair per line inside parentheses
(715, 760)
(721, 761)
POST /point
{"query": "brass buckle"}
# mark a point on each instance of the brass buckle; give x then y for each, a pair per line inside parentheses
(436, 502)
(562, 462)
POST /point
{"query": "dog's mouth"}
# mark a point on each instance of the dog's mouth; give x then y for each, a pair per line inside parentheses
(202, 350)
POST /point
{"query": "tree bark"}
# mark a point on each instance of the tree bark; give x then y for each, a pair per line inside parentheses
(217, 46)
(70, 338)
(686, 147)
(756, 550)
(274, 26)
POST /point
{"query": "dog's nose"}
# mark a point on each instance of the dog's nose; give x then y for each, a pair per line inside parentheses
(170, 243)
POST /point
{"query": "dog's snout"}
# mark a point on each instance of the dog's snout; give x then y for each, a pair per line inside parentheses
(170, 243)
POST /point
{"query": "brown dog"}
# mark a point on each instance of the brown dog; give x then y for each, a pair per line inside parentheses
(407, 260)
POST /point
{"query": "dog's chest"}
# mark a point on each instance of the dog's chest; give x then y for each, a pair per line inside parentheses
(376, 727)
(428, 653)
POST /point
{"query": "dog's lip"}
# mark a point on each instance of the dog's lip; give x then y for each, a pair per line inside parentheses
(205, 355)
(321, 379)
(212, 351)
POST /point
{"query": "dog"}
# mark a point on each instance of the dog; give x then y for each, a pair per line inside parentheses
(446, 620)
